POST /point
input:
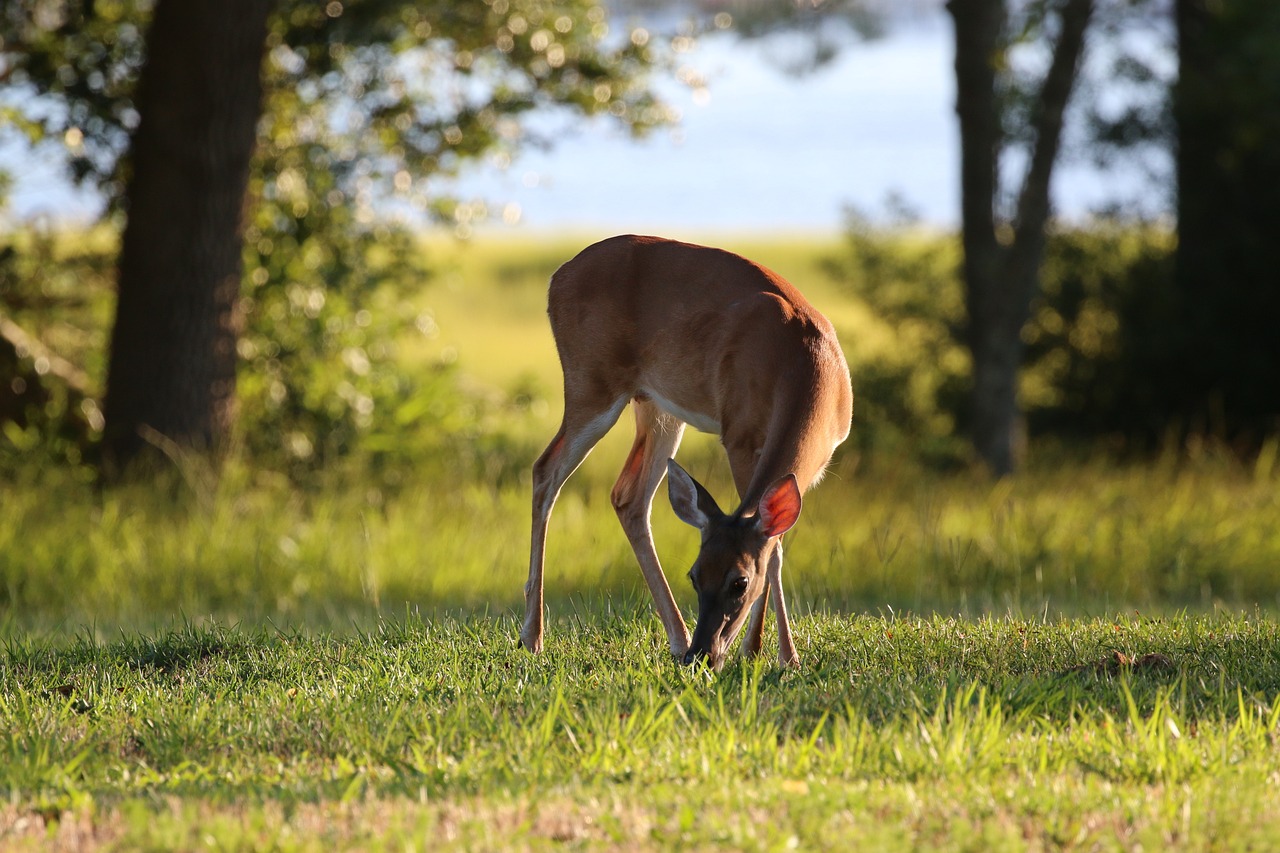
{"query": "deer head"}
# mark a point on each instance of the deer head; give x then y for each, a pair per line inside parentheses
(729, 572)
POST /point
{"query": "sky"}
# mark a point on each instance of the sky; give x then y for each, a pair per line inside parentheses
(760, 149)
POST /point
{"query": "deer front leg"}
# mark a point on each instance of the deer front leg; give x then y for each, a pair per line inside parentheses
(657, 437)
(755, 627)
(773, 575)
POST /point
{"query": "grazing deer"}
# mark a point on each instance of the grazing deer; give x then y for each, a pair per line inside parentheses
(701, 336)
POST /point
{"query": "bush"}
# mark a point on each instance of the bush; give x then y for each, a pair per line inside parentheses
(55, 297)
(1099, 353)
(912, 377)
(1100, 344)
(319, 378)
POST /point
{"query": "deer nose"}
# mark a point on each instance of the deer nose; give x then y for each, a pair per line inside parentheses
(691, 657)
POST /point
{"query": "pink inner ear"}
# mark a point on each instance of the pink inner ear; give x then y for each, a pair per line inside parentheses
(780, 507)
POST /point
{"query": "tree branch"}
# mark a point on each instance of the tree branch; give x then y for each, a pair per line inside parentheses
(1033, 200)
(24, 342)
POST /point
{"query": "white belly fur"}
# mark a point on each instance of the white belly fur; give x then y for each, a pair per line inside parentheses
(697, 420)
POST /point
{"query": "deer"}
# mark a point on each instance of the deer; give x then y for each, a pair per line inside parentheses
(693, 335)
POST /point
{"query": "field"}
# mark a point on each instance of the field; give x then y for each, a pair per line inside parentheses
(1082, 657)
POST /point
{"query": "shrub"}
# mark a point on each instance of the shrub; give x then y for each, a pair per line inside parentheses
(1099, 350)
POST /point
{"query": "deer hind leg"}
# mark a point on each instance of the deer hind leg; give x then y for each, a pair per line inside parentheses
(584, 424)
(657, 437)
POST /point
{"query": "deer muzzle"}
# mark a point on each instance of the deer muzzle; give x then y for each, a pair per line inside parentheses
(714, 634)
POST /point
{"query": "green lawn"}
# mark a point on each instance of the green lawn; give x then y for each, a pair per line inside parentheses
(931, 733)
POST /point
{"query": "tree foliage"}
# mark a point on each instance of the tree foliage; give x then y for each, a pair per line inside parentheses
(54, 309)
(1192, 91)
(366, 89)
(816, 30)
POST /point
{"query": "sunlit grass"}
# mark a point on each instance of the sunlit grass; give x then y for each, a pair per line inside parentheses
(901, 731)
(1077, 538)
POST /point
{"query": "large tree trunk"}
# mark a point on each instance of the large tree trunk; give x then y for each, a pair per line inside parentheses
(173, 348)
(1228, 172)
(979, 27)
(1002, 259)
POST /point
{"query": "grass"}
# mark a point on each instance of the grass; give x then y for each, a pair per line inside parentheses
(1075, 539)
(368, 693)
(1084, 657)
(937, 733)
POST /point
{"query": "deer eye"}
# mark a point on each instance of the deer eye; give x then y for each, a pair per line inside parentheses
(739, 585)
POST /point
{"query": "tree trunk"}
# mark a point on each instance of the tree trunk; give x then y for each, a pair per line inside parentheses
(171, 379)
(979, 25)
(1002, 259)
(1228, 171)
(995, 343)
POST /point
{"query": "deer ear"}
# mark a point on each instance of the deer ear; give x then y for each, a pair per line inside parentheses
(692, 503)
(780, 507)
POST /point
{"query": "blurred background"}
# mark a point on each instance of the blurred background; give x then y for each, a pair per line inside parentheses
(857, 112)
(290, 258)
